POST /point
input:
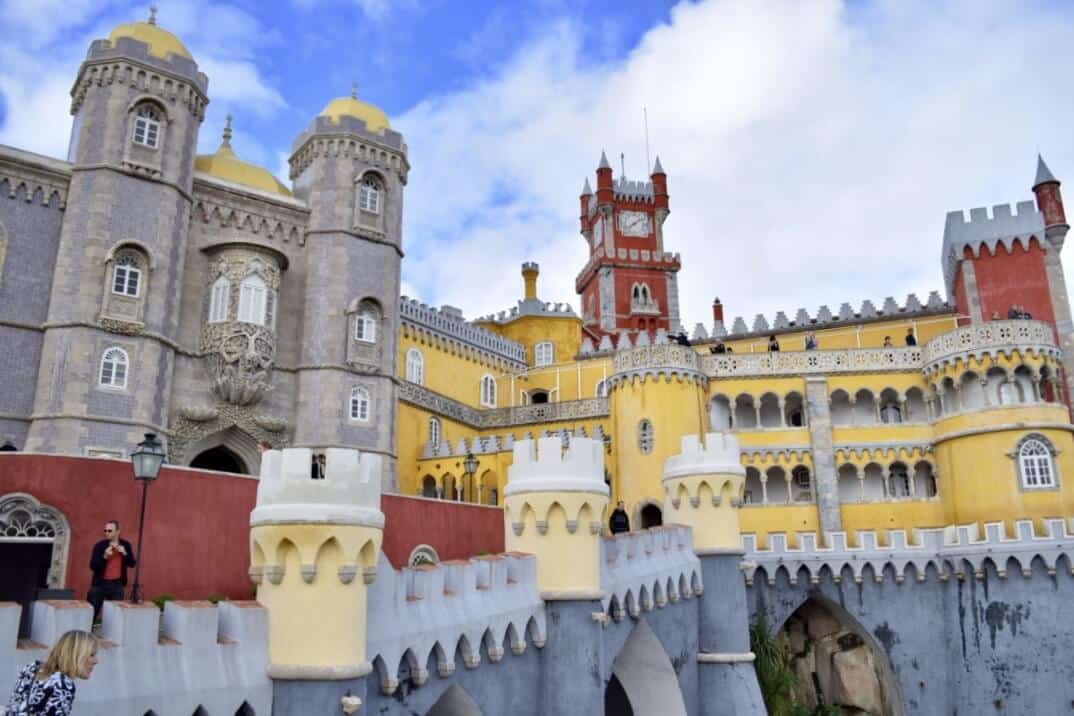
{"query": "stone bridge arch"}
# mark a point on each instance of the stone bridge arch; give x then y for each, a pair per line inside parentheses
(643, 678)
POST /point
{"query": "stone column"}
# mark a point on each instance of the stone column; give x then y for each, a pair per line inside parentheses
(820, 441)
(1057, 287)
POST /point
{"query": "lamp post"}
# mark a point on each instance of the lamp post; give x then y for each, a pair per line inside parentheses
(146, 461)
(469, 466)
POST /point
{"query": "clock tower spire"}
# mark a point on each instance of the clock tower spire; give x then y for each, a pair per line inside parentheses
(629, 284)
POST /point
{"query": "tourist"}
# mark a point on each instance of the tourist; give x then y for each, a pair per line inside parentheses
(1024, 314)
(718, 348)
(811, 341)
(995, 316)
(619, 522)
(887, 341)
(682, 339)
(911, 339)
(1012, 312)
(109, 561)
(48, 689)
(317, 467)
(773, 344)
(9, 444)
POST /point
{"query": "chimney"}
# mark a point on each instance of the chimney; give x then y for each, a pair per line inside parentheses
(530, 271)
(717, 310)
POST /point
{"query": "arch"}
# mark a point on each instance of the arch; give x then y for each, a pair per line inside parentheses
(794, 413)
(720, 413)
(842, 412)
(253, 300)
(220, 459)
(744, 415)
(890, 406)
(454, 702)
(428, 487)
(916, 411)
(1023, 379)
(971, 391)
(802, 483)
(115, 364)
(850, 487)
(864, 408)
(771, 416)
(240, 443)
(366, 318)
(488, 391)
(650, 515)
(489, 486)
(415, 366)
(600, 390)
(538, 397)
(423, 554)
(997, 388)
(873, 488)
(1035, 459)
(925, 485)
(147, 127)
(775, 481)
(126, 278)
(645, 436)
(754, 492)
(24, 519)
(898, 480)
(370, 188)
(435, 432)
(643, 677)
(245, 710)
(219, 300)
(131, 244)
(360, 405)
(449, 488)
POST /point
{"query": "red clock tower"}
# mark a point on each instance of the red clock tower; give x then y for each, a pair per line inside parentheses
(629, 283)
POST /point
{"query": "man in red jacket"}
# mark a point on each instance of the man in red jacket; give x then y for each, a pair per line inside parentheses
(109, 561)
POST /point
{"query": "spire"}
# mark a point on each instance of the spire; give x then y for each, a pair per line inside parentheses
(586, 191)
(1044, 174)
(354, 90)
(152, 15)
(603, 161)
(657, 168)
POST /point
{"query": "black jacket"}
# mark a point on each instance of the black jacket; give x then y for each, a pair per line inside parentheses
(98, 562)
(619, 522)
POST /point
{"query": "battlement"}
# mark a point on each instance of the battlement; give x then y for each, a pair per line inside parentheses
(546, 465)
(530, 308)
(194, 656)
(348, 494)
(1002, 227)
(632, 190)
(460, 606)
(939, 551)
(647, 569)
(719, 454)
(454, 327)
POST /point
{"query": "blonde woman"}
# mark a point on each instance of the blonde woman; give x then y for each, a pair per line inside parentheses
(49, 689)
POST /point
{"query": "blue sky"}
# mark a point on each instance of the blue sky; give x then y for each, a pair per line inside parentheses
(812, 148)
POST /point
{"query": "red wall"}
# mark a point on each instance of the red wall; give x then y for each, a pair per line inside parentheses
(1013, 278)
(197, 522)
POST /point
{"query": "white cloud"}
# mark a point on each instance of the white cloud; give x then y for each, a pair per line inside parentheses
(813, 149)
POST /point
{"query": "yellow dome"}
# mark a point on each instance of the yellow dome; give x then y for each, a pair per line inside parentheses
(225, 165)
(161, 42)
(374, 117)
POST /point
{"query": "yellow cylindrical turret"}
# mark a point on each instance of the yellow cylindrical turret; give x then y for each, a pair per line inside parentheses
(314, 546)
(530, 271)
(703, 487)
(554, 506)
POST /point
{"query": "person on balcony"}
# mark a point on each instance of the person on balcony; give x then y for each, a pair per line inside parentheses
(911, 339)
(773, 344)
(887, 342)
(619, 521)
(811, 341)
(718, 348)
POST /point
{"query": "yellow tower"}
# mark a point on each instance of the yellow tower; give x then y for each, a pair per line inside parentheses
(554, 506)
(314, 547)
(656, 396)
(703, 489)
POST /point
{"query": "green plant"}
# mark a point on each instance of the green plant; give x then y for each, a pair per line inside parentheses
(216, 598)
(163, 599)
(774, 665)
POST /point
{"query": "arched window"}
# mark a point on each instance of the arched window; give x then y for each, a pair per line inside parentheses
(147, 126)
(369, 196)
(253, 300)
(360, 404)
(802, 483)
(219, 296)
(645, 436)
(544, 353)
(423, 554)
(601, 389)
(1035, 464)
(365, 326)
(434, 433)
(488, 391)
(415, 366)
(127, 275)
(113, 373)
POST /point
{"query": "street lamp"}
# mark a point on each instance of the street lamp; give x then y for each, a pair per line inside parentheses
(146, 461)
(469, 467)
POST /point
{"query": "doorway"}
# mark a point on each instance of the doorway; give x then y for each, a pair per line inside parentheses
(220, 459)
(26, 567)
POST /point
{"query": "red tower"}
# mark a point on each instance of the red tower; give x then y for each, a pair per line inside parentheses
(629, 283)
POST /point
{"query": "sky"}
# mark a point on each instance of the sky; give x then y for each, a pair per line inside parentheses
(812, 147)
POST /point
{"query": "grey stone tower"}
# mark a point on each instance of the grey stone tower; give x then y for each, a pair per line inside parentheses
(107, 359)
(350, 168)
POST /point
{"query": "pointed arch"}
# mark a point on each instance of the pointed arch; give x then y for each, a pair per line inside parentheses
(646, 675)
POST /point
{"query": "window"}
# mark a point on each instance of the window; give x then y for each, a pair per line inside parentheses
(360, 404)
(1035, 463)
(601, 389)
(147, 126)
(219, 297)
(544, 353)
(423, 554)
(434, 433)
(899, 482)
(645, 436)
(365, 326)
(126, 276)
(253, 300)
(415, 366)
(801, 479)
(369, 196)
(488, 391)
(113, 373)
(890, 413)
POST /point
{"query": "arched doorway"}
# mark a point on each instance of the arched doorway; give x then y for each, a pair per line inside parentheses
(33, 550)
(643, 679)
(221, 459)
(538, 397)
(835, 662)
(455, 702)
(651, 516)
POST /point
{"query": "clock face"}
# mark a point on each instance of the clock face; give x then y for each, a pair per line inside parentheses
(598, 230)
(633, 223)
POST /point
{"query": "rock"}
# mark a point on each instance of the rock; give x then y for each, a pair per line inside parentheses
(805, 693)
(854, 681)
(823, 650)
(821, 623)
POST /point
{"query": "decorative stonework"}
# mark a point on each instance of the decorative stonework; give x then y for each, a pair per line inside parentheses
(418, 318)
(422, 397)
(991, 337)
(33, 176)
(851, 360)
(24, 519)
(269, 222)
(125, 328)
(122, 72)
(667, 360)
(197, 422)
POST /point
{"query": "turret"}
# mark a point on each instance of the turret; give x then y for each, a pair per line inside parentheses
(314, 547)
(530, 271)
(660, 189)
(554, 506)
(584, 198)
(717, 310)
(605, 190)
(1050, 203)
(703, 489)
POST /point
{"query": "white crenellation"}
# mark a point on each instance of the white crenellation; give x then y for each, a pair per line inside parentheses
(471, 606)
(348, 494)
(954, 550)
(648, 569)
(451, 326)
(545, 465)
(1001, 228)
(720, 453)
(990, 338)
(195, 655)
